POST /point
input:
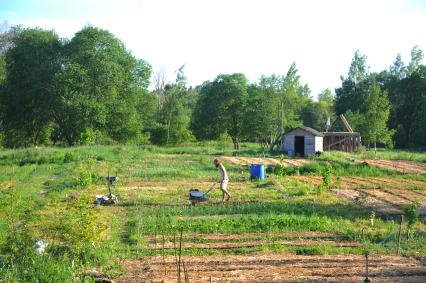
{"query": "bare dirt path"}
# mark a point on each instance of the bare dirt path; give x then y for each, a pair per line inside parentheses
(276, 268)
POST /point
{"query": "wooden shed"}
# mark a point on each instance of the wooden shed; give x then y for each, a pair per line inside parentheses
(302, 141)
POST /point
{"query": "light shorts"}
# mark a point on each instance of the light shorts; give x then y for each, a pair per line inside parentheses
(224, 185)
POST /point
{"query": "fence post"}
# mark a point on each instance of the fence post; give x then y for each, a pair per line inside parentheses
(398, 243)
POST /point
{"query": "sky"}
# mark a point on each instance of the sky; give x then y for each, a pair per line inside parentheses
(253, 37)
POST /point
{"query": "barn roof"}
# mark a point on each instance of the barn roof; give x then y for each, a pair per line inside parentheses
(306, 129)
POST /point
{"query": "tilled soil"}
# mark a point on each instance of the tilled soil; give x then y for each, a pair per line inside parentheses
(275, 268)
(367, 183)
(399, 165)
(386, 196)
(240, 237)
(249, 244)
(266, 161)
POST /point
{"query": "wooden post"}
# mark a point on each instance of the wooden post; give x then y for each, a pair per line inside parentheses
(398, 243)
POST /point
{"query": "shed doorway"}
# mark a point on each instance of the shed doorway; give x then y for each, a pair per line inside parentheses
(299, 146)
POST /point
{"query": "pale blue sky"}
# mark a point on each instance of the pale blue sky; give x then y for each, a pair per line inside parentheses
(253, 37)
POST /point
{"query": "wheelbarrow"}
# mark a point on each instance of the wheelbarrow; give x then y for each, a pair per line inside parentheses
(195, 195)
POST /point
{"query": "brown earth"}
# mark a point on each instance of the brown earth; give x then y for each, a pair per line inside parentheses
(387, 196)
(275, 268)
(369, 183)
(249, 244)
(240, 237)
(399, 165)
(266, 161)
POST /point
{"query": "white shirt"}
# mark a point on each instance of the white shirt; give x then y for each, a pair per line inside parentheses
(223, 174)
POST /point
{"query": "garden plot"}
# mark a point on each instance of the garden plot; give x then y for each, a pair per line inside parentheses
(249, 240)
(387, 196)
(266, 161)
(276, 268)
(418, 187)
(399, 166)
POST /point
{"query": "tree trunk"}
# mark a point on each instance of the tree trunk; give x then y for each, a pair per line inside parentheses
(168, 131)
(375, 150)
(236, 143)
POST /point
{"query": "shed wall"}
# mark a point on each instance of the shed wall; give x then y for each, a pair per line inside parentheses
(319, 142)
(312, 143)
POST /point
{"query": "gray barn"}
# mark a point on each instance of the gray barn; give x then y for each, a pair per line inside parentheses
(302, 141)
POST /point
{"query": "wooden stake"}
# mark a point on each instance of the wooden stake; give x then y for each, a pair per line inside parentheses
(180, 255)
(398, 243)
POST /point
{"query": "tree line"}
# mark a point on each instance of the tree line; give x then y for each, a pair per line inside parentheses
(90, 89)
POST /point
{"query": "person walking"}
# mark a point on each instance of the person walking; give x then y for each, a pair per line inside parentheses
(223, 179)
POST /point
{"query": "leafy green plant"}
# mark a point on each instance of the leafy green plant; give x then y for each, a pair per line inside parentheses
(412, 216)
(327, 174)
(372, 216)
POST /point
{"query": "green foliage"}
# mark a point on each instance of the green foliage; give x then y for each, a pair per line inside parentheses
(221, 107)
(174, 113)
(404, 87)
(261, 117)
(73, 91)
(28, 93)
(376, 117)
(411, 213)
(358, 71)
(327, 174)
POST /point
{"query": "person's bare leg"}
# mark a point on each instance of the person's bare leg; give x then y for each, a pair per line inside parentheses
(229, 196)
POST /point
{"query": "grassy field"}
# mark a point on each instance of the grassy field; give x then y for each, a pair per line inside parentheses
(48, 194)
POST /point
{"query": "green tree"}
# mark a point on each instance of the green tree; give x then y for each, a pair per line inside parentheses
(419, 123)
(261, 115)
(315, 114)
(290, 99)
(377, 114)
(102, 82)
(27, 96)
(174, 115)
(221, 108)
(354, 88)
(326, 95)
(358, 71)
(416, 59)
(398, 69)
(406, 97)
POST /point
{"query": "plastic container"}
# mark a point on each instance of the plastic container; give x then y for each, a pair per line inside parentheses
(257, 171)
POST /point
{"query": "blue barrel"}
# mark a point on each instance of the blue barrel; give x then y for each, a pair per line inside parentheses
(257, 171)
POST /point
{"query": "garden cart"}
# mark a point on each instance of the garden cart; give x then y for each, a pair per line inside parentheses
(195, 195)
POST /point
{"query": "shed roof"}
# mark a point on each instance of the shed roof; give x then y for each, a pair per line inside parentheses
(308, 130)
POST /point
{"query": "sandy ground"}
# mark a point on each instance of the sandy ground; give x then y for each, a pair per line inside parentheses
(275, 268)
(265, 161)
(399, 165)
